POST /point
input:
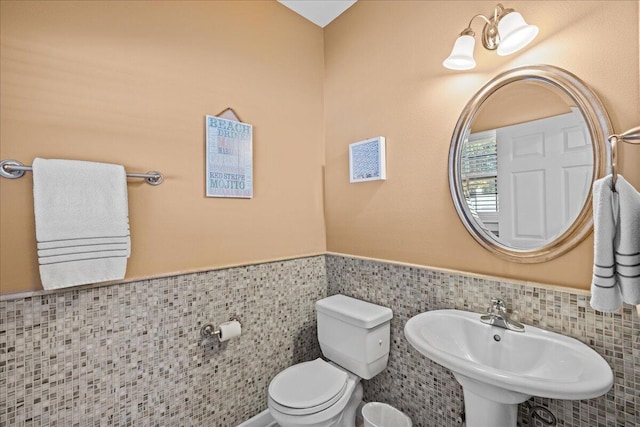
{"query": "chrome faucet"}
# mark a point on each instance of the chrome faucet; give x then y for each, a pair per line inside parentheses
(497, 316)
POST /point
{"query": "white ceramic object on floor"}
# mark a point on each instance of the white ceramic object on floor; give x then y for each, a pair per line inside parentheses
(499, 368)
(354, 335)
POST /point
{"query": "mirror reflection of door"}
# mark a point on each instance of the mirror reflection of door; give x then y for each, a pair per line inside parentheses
(527, 165)
(543, 165)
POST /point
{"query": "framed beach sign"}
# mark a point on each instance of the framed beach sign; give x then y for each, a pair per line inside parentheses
(367, 160)
(229, 162)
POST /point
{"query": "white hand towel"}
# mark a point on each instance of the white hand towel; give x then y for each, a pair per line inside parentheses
(605, 292)
(616, 223)
(627, 242)
(82, 223)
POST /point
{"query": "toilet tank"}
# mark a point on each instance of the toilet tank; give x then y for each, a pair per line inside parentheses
(354, 334)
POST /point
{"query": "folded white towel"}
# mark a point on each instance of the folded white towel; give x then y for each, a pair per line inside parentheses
(627, 243)
(616, 223)
(605, 293)
(82, 223)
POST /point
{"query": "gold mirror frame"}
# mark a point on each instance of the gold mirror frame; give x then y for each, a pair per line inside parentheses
(599, 125)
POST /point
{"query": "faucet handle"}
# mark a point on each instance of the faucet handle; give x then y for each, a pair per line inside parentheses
(497, 304)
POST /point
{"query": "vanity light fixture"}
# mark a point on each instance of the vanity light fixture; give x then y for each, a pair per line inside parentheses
(505, 31)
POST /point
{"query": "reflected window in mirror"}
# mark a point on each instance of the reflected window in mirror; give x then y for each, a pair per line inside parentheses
(479, 171)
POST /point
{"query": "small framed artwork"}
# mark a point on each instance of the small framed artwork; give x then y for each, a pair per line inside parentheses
(367, 160)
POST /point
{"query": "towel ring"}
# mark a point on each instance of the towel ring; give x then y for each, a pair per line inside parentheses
(632, 136)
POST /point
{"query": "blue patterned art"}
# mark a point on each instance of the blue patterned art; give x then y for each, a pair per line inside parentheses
(367, 160)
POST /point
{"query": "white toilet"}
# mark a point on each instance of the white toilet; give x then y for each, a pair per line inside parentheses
(354, 336)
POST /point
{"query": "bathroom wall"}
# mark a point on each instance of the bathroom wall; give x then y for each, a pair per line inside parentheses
(428, 392)
(130, 82)
(384, 76)
(131, 355)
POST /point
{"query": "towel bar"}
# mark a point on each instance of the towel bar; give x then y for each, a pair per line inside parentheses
(13, 169)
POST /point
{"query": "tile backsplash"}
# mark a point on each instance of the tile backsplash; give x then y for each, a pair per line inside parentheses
(430, 395)
(130, 354)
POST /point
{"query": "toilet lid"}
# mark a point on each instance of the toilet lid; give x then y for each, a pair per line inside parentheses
(313, 385)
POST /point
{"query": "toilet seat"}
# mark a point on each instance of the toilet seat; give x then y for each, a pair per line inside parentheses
(307, 388)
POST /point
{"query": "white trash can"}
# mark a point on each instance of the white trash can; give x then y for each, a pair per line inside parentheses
(376, 414)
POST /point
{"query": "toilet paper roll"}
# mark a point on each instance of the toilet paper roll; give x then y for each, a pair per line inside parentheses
(228, 330)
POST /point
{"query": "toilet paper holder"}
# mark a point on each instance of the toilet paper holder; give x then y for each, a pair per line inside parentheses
(210, 331)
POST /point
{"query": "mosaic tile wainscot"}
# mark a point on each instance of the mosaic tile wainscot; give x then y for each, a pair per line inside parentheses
(430, 395)
(130, 354)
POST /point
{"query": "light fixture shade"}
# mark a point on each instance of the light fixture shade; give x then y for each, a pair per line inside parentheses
(461, 57)
(515, 33)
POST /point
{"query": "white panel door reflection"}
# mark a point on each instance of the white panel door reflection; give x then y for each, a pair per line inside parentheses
(544, 173)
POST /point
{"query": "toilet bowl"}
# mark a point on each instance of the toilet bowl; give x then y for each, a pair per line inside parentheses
(315, 394)
(355, 336)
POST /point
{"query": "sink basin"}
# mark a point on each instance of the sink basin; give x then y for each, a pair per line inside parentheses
(499, 368)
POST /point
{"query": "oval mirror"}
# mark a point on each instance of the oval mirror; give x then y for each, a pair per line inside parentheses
(523, 158)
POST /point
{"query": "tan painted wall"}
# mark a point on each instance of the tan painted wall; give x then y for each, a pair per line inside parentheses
(130, 83)
(383, 76)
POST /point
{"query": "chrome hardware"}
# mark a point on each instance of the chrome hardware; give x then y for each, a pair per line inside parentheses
(497, 305)
(632, 136)
(540, 413)
(210, 331)
(497, 316)
(13, 169)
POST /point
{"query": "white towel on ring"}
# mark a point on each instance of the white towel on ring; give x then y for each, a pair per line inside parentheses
(82, 223)
(627, 242)
(616, 266)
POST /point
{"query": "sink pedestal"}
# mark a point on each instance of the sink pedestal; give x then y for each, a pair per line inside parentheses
(488, 405)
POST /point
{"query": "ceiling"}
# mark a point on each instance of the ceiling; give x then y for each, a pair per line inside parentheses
(320, 12)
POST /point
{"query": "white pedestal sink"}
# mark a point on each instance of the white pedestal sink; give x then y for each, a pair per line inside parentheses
(499, 368)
